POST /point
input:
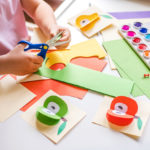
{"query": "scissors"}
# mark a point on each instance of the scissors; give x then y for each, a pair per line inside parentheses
(44, 46)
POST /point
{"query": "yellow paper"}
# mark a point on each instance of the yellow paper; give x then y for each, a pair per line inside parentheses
(98, 26)
(12, 97)
(132, 129)
(73, 117)
(84, 49)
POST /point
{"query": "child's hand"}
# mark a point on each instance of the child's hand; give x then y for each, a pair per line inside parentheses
(19, 62)
(55, 29)
(66, 36)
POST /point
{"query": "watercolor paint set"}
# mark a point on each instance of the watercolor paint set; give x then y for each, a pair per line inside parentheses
(138, 37)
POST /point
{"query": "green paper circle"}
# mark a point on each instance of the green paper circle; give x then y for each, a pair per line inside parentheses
(63, 106)
(43, 115)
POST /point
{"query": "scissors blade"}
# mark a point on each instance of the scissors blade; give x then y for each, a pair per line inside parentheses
(56, 38)
(61, 43)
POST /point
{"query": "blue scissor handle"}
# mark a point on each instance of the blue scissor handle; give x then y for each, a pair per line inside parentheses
(43, 47)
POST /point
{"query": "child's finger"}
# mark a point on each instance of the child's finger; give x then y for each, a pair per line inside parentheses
(37, 59)
(66, 35)
(36, 67)
(20, 47)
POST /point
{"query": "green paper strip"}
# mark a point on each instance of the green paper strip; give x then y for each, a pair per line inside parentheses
(124, 56)
(62, 127)
(139, 123)
(89, 79)
(135, 90)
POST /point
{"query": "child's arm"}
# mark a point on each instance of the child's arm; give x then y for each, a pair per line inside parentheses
(18, 62)
(44, 17)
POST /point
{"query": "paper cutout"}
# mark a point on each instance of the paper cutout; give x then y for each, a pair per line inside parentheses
(84, 49)
(122, 112)
(59, 87)
(12, 97)
(62, 127)
(73, 117)
(120, 51)
(132, 129)
(87, 22)
(90, 62)
(135, 90)
(89, 79)
(53, 110)
(99, 24)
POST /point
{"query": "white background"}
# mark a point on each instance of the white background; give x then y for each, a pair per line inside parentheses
(16, 134)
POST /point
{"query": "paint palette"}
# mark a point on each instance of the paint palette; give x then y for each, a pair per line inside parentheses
(138, 36)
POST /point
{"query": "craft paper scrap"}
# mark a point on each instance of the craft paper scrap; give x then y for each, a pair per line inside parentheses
(89, 79)
(123, 55)
(30, 77)
(135, 91)
(90, 62)
(132, 129)
(112, 65)
(41, 87)
(87, 48)
(91, 21)
(73, 117)
(12, 97)
(131, 14)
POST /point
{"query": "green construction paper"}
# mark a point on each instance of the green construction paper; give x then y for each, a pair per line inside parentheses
(62, 127)
(135, 90)
(53, 109)
(124, 56)
(89, 79)
(63, 106)
(46, 118)
(139, 123)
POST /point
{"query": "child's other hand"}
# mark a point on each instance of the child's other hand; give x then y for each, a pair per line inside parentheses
(19, 62)
(66, 36)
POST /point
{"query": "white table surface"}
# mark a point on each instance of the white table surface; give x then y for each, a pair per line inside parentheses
(16, 134)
